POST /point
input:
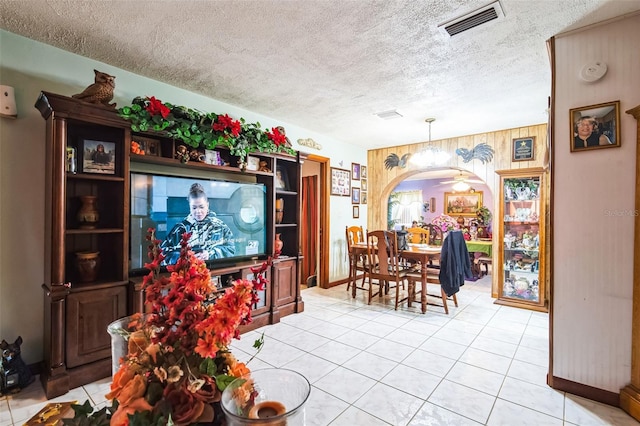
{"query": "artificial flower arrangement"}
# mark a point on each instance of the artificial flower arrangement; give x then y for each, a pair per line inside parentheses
(204, 130)
(445, 223)
(178, 360)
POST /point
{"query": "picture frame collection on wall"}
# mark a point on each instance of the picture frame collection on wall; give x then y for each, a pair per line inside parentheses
(343, 181)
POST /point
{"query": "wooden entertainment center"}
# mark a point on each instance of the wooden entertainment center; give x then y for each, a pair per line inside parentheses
(77, 347)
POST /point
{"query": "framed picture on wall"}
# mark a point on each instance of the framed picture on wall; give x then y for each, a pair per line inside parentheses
(363, 197)
(355, 195)
(355, 171)
(462, 203)
(340, 182)
(356, 212)
(363, 172)
(523, 149)
(363, 184)
(595, 126)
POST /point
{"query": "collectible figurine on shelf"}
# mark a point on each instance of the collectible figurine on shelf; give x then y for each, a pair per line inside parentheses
(264, 166)
(182, 154)
(100, 92)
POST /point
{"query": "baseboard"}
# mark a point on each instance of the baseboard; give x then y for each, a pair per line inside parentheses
(585, 391)
(342, 281)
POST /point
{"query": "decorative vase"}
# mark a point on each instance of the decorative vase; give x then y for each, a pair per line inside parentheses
(279, 210)
(278, 244)
(280, 396)
(119, 332)
(88, 214)
(87, 265)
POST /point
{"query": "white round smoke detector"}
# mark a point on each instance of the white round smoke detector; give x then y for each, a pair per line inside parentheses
(593, 71)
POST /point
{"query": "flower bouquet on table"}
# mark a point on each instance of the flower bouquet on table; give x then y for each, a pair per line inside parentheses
(445, 223)
(178, 360)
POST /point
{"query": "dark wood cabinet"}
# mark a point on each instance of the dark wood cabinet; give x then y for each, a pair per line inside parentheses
(89, 312)
(76, 310)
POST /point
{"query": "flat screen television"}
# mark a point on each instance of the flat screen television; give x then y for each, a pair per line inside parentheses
(232, 229)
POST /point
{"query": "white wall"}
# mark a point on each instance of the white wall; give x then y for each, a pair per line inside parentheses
(31, 67)
(593, 212)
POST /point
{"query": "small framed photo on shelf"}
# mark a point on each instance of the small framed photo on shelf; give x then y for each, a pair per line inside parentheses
(595, 126)
(523, 149)
(98, 157)
(145, 146)
(363, 172)
(212, 157)
(282, 180)
(355, 195)
(340, 182)
(356, 212)
(355, 171)
(363, 197)
(253, 163)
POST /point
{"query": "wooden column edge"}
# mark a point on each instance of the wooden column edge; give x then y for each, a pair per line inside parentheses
(630, 401)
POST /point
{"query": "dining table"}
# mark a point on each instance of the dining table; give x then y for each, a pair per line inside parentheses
(421, 254)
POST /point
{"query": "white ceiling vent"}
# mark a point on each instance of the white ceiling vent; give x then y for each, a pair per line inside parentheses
(488, 13)
(389, 115)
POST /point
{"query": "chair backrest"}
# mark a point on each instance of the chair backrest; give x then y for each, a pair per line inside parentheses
(418, 235)
(382, 250)
(355, 235)
(435, 235)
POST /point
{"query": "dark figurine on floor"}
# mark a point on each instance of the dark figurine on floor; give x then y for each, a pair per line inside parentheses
(14, 373)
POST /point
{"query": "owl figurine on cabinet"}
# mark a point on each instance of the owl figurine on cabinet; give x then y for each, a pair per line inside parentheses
(100, 92)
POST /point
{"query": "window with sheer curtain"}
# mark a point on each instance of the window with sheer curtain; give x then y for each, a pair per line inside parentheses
(409, 207)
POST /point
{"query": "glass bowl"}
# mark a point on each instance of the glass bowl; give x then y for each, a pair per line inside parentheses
(272, 396)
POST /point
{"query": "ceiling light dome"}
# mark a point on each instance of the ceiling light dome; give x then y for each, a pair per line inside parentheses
(430, 156)
(461, 186)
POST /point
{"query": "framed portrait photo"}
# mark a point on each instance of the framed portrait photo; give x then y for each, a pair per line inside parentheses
(363, 198)
(356, 212)
(363, 172)
(355, 171)
(98, 157)
(340, 182)
(282, 179)
(355, 195)
(462, 203)
(595, 126)
(523, 149)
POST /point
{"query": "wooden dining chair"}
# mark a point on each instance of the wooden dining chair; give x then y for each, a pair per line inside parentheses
(455, 266)
(435, 235)
(357, 259)
(418, 235)
(433, 277)
(387, 267)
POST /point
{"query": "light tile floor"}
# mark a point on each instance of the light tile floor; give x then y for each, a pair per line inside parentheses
(482, 364)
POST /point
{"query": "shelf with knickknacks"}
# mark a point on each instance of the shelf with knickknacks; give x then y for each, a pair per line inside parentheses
(520, 262)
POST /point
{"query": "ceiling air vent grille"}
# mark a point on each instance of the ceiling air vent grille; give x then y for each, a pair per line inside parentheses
(480, 16)
(389, 115)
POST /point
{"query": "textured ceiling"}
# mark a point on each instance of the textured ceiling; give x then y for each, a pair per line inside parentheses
(330, 65)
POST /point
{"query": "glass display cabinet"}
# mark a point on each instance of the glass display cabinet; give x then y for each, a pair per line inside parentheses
(520, 262)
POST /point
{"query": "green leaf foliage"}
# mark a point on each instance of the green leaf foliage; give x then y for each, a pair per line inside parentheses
(195, 129)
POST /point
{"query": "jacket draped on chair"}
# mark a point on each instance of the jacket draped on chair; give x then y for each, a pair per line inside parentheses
(455, 264)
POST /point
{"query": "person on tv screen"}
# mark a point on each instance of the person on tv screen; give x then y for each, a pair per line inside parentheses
(210, 237)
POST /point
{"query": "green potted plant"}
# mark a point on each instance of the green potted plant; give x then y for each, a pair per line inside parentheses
(484, 216)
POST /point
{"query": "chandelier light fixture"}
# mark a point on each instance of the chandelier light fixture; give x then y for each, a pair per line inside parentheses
(430, 156)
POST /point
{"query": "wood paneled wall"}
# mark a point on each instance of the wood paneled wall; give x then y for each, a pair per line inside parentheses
(382, 181)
